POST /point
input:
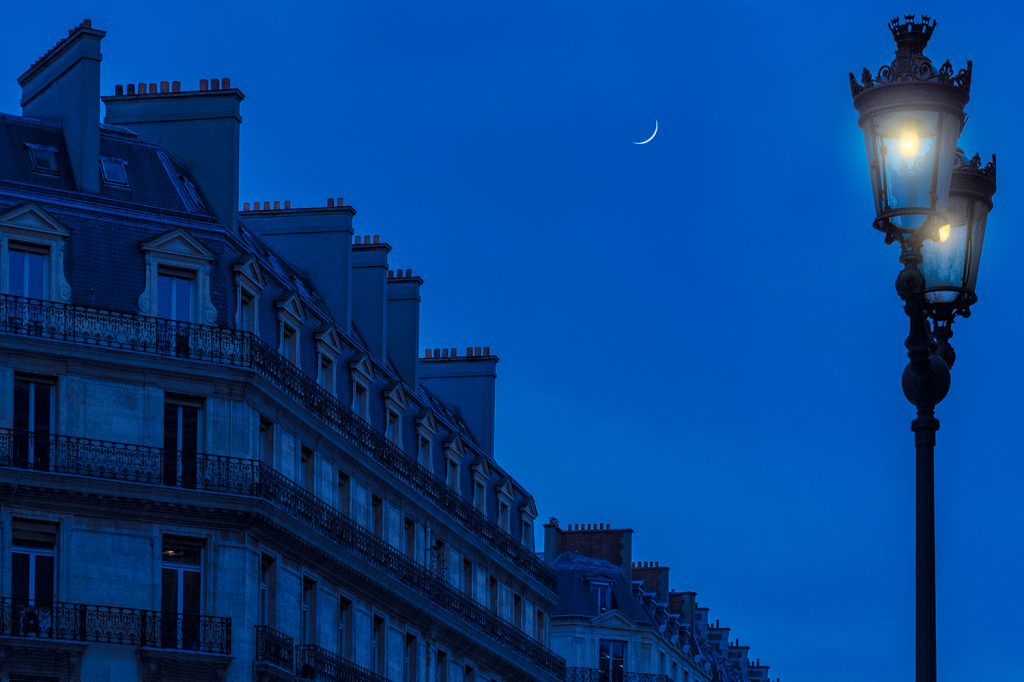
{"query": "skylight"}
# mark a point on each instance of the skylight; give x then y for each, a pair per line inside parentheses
(113, 171)
(44, 158)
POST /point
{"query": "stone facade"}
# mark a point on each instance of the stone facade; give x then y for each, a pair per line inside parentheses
(221, 457)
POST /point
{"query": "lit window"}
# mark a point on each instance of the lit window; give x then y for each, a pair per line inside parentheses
(113, 171)
(44, 158)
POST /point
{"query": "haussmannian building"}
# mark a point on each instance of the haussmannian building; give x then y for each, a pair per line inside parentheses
(222, 456)
(616, 619)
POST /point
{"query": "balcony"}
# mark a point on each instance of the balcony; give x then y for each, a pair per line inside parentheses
(64, 621)
(595, 675)
(251, 478)
(196, 342)
(317, 663)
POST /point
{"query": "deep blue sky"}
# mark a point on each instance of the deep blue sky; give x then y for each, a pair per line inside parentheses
(699, 337)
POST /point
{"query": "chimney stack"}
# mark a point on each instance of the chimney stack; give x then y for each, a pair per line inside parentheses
(370, 294)
(403, 340)
(64, 85)
(468, 383)
(200, 127)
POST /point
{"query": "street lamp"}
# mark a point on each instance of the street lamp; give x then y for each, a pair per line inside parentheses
(934, 203)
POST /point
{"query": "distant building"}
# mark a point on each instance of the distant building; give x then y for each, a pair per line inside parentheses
(618, 621)
(221, 456)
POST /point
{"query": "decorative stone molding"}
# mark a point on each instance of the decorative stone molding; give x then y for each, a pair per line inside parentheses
(291, 315)
(328, 348)
(426, 427)
(395, 404)
(249, 282)
(481, 470)
(179, 250)
(31, 225)
(454, 451)
(362, 374)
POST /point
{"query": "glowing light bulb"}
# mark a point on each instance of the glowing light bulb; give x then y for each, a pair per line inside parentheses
(910, 143)
(944, 233)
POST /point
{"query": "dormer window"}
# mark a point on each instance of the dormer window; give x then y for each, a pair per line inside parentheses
(44, 158)
(113, 171)
(193, 193)
(603, 593)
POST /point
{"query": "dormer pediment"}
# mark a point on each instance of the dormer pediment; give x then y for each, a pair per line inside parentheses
(361, 364)
(249, 270)
(425, 421)
(453, 444)
(329, 337)
(32, 218)
(395, 393)
(614, 618)
(291, 305)
(481, 468)
(528, 507)
(178, 243)
(504, 487)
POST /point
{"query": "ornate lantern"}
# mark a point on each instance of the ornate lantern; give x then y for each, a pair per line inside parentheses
(911, 115)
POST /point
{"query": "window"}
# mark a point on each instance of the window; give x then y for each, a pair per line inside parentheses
(467, 577)
(362, 378)
(181, 593)
(603, 594)
(307, 469)
(113, 171)
(503, 516)
(178, 278)
(289, 347)
(452, 479)
(442, 667)
(175, 294)
(410, 538)
(439, 558)
(344, 493)
(34, 419)
(32, 257)
(377, 650)
(538, 626)
(393, 430)
(611, 657)
(468, 674)
(249, 282)
(44, 158)
(325, 374)
(494, 595)
(246, 313)
(377, 510)
(265, 442)
(291, 315)
(360, 403)
(423, 455)
(33, 557)
(268, 580)
(182, 439)
(27, 270)
(479, 501)
(307, 614)
(345, 628)
(410, 659)
(517, 611)
(193, 194)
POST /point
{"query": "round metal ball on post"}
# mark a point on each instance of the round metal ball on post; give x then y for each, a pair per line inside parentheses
(934, 203)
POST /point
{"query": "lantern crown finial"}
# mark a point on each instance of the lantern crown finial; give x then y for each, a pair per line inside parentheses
(912, 36)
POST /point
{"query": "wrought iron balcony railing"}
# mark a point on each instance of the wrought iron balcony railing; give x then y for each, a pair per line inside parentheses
(595, 675)
(114, 625)
(317, 663)
(45, 319)
(200, 471)
(274, 647)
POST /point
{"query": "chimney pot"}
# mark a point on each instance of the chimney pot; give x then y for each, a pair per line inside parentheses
(476, 350)
(427, 354)
(214, 84)
(376, 239)
(391, 274)
(152, 89)
(131, 88)
(366, 239)
(408, 272)
(359, 240)
(142, 88)
(118, 90)
(277, 205)
(437, 352)
(204, 84)
(655, 564)
(341, 202)
(330, 203)
(87, 23)
(175, 86)
(487, 350)
(266, 205)
(287, 204)
(444, 353)
(245, 206)
(225, 83)
(454, 352)
(469, 352)
(165, 86)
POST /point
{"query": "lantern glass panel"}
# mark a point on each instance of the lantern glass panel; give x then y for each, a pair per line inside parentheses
(953, 262)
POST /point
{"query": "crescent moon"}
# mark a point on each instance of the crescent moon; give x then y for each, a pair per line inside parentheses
(652, 136)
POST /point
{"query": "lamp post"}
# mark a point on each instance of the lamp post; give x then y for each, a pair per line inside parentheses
(934, 203)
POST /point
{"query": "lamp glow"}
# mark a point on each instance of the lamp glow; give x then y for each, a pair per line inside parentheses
(910, 143)
(944, 233)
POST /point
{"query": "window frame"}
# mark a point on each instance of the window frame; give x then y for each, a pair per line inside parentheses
(34, 149)
(30, 227)
(104, 160)
(177, 250)
(249, 283)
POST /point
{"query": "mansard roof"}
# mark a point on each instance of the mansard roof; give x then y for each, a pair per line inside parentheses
(576, 599)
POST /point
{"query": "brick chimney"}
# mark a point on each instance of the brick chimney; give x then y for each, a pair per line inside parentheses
(404, 325)
(370, 294)
(199, 127)
(468, 383)
(655, 578)
(594, 540)
(64, 85)
(319, 242)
